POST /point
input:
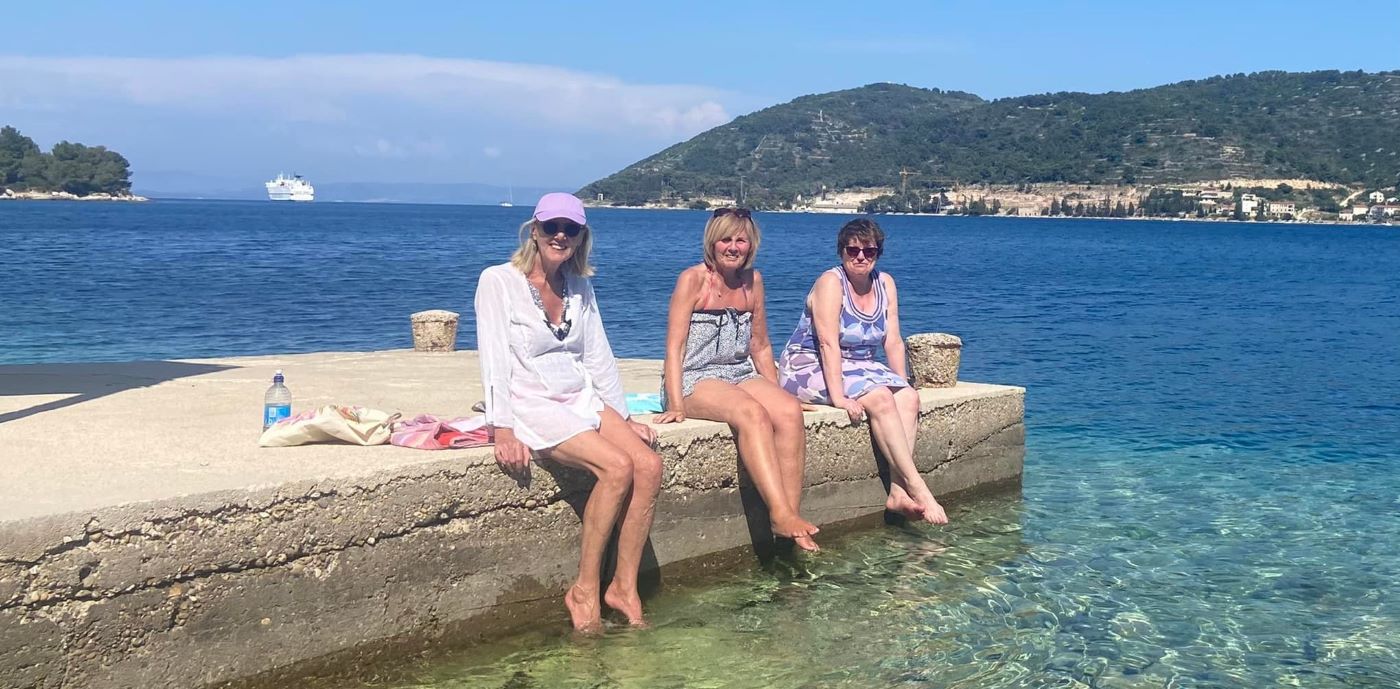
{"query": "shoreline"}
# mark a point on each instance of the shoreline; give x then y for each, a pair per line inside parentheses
(8, 195)
(808, 211)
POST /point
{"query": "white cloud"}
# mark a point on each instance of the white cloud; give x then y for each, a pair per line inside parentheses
(348, 89)
(391, 118)
(401, 150)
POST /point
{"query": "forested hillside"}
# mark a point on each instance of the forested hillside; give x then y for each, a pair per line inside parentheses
(1329, 126)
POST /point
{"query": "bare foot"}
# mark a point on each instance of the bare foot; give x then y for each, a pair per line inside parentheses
(626, 602)
(806, 543)
(901, 503)
(792, 527)
(933, 512)
(583, 609)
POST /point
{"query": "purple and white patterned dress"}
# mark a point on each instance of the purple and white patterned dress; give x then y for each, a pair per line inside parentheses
(862, 334)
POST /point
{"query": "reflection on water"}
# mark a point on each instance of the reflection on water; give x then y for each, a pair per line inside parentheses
(1182, 568)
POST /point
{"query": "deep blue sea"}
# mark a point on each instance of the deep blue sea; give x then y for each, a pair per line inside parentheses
(1212, 487)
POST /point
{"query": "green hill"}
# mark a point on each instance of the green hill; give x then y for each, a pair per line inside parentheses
(1328, 126)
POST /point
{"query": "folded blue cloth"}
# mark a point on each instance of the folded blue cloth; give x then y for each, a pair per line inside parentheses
(643, 403)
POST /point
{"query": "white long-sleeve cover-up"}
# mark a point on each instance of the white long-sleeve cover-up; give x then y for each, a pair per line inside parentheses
(546, 389)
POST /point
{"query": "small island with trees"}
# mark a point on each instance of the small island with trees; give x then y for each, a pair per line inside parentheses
(70, 171)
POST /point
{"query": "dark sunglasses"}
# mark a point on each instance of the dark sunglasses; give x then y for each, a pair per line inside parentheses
(549, 228)
(736, 212)
(871, 252)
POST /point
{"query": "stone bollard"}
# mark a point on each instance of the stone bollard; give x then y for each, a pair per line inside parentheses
(434, 331)
(933, 359)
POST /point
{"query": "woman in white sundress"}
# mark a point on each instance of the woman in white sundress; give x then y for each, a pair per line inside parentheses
(553, 391)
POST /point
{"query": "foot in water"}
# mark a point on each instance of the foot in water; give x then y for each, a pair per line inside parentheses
(798, 529)
(792, 527)
(583, 610)
(626, 602)
(932, 511)
(901, 503)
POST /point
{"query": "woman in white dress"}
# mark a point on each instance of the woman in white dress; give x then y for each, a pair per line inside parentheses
(553, 391)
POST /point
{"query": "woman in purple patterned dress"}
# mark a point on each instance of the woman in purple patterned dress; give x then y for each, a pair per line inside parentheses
(853, 310)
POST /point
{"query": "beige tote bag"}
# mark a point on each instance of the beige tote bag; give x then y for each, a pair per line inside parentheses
(330, 423)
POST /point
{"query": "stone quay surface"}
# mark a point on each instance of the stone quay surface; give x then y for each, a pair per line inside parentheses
(147, 541)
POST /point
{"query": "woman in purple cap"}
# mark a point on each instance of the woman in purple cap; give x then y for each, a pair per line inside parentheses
(553, 391)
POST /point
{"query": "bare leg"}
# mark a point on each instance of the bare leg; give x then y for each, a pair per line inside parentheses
(789, 440)
(636, 516)
(899, 500)
(907, 401)
(753, 429)
(789, 434)
(613, 469)
(888, 431)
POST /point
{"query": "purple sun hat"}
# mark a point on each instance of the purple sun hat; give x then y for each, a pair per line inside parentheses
(560, 205)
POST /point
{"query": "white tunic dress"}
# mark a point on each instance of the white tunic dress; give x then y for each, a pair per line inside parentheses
(545, 389)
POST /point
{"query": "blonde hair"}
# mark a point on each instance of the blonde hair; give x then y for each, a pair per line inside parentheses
(525, 256)
(728, 225)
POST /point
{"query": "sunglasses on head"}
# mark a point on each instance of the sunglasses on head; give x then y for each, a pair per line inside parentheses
(871, 252)
(549, 228)
(736, 212)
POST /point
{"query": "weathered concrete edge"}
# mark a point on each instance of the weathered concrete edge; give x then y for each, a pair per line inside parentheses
(216, 587)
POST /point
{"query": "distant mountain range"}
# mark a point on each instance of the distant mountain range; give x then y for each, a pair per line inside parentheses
(1330, 126)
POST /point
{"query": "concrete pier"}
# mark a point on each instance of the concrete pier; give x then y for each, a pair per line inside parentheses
(146, 541)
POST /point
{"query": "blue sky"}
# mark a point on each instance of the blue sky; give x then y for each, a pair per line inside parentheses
(558, 94)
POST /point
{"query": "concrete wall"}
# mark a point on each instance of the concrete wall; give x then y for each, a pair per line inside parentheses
(210, 588)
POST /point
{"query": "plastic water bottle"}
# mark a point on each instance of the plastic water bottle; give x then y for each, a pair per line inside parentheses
(277, 403)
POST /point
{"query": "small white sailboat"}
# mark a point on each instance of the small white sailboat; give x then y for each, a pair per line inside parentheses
(510, 202)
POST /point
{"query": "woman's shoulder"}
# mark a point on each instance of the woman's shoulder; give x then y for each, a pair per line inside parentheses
(500, 272)
(887, 280)
(499, 277)
(578, 284)
(832, 276)
(699, 271)
(694, 277)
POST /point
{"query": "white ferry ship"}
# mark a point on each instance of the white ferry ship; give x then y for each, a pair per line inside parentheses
(292, 188)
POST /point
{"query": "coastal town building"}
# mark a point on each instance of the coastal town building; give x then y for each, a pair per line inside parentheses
(1385, 210)
(1281, 208)
(1249, 204)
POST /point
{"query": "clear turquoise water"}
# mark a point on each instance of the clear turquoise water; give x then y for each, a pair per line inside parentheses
(1213, 451)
